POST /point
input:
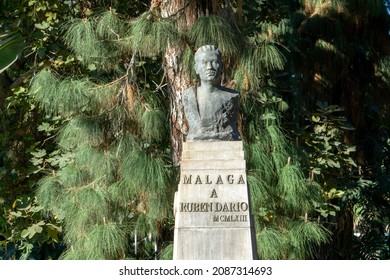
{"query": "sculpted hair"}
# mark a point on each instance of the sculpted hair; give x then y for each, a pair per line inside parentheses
(208, 48)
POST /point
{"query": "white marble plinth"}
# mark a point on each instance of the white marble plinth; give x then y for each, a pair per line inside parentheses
(212, 209)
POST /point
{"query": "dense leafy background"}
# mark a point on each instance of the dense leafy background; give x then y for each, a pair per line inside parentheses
(85, 125)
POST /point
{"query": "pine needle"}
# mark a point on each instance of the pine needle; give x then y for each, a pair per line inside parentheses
(259, 192)
(84, 208)
(260, 160)
(143, 171)
(294, 191)
(160, 204)
(271, 244)
(314, 191)
(215, 30)
(188, 61)
(277, 138)
(110, 26)
(49, 193)
(108, 240)
(121, 194)
(166, 252)
(143, 226)
(81, 131)
(103, 98)
(304, 238)
(44, 89)
(99, 164)
(71, 96)
(151, 33)
(270, 57)
(279, 160)
(71, 176)
(154, 124)
(71, 254)
(123, 145)
(82, 38)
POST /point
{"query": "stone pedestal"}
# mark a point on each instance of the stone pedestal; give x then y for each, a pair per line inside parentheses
(212, 211)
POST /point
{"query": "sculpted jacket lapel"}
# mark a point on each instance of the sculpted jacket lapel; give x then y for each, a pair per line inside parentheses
(191, 110)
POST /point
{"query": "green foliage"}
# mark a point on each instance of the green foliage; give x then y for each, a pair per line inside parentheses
(99, 40)
(83, 40)
(328, 153)
(25, 228)
(270, 56)
(71, 175)
(81, 131)
(263, 13)
(329, 159)
(298, 241)
(292, 188)
(110, 239)
(282, 198)
(188, 61)
(49, 193)
(110, 26)
(273, 244)
(10, 48)
(167, 252)
(117, 179)
(383, 73)
(98, 164)
(28, 151)
(71, 96)
(215, 30)
(150, 114)
(262, 56)
(371, 210)
(307, 235)
(110, 181)
(339, 57)
(145, 174)
(150, 34)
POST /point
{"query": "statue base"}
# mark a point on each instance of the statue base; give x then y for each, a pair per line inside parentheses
(213, 220)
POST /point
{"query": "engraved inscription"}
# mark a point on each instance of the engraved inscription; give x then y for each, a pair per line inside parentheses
(198, 180)
(214, 194)
(187, 179)
(218, 207)
(218, 211)
(213, 207)
(231, 207)
(196, 207)
(219, 179)
(230, 218)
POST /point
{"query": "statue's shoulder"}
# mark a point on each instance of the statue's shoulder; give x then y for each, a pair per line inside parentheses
(189, 97)
(190, 90)
(188, 94)
(230, 94)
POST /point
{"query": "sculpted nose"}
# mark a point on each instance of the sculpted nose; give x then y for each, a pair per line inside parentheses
(209, 65)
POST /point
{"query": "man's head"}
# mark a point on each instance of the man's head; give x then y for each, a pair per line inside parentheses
(208, 64)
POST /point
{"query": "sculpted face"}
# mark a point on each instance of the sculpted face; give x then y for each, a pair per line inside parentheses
(208, 66)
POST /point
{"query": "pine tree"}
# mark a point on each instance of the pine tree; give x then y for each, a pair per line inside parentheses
(124, 127)
(118, 184)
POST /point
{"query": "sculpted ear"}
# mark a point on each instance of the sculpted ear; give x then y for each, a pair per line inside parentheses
(196, 68)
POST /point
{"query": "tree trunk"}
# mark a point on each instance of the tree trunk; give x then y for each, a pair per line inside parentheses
(187, 12)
